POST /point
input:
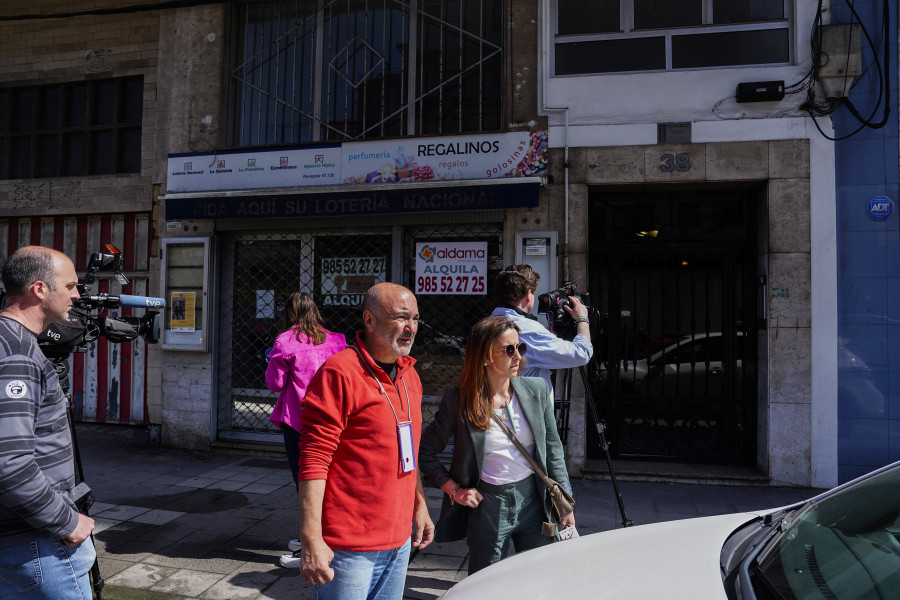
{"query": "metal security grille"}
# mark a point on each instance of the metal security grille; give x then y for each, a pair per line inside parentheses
(258, 271)
(360, 69)
(674, 276)
(445, 320)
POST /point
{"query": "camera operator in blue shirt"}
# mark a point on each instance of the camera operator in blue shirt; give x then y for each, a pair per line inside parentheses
(515, 289)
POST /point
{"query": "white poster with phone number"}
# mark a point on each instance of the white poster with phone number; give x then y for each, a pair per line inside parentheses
(451, 268)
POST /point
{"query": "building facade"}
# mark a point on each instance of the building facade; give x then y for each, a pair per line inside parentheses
(665, 160)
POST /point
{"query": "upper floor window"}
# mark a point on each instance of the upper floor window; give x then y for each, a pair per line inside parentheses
(70, 129)
(610, 36)
(333, 70)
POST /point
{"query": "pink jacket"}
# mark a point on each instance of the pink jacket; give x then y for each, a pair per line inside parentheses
(291, 366)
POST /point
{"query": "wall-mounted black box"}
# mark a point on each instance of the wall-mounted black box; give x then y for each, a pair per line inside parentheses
(760, 91)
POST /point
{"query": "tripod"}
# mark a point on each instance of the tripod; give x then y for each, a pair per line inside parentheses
(601, 428)
(83, 497)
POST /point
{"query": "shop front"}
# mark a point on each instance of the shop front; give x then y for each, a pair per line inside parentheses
(442, 238)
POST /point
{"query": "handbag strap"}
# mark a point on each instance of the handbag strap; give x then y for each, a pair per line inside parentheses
(537, 469)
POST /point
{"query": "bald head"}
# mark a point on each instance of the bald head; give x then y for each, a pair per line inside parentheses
(391, 319)
(28, 265)
(41, 285)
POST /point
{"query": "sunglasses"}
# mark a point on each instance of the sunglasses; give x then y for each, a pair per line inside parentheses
(510, 349)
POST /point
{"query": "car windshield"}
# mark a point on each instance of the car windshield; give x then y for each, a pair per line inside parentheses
(845, 545)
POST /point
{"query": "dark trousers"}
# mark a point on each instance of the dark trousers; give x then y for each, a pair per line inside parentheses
(292, 450)
(514, 511)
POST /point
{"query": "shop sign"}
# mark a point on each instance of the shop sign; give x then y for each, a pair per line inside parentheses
(452, 268)
(319, 165)
(447, 158)
(345, 280)
(489, 156)
(407, 199)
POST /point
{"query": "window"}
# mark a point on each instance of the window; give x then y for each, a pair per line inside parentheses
(71, 129)
(612, 36)
(307, 71)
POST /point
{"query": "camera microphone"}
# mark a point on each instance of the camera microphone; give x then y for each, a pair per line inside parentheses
(125, 301)
(141, 302)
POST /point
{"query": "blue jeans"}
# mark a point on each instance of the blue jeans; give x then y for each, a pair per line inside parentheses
(378, 575)
(46, 569)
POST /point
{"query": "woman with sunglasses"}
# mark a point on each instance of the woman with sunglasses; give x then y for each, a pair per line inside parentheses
(491, 494)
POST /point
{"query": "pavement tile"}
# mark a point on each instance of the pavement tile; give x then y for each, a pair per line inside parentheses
(240, 586)
(247, 476)
(289, 587)
(262, 488)
(111, 566)
(185, 582)
(158, 517)
(197, 482)
(140, 576)
(228, 484)
(101, 524)
(131, 550)
(120, 512)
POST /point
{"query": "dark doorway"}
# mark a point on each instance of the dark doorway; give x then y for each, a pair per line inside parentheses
(674, 276)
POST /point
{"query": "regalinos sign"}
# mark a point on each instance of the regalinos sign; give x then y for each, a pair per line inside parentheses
(484, 156)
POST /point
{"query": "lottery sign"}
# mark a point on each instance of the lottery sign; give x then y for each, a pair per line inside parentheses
(452, 268)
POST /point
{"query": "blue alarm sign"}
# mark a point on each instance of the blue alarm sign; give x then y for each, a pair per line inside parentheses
(879, 208)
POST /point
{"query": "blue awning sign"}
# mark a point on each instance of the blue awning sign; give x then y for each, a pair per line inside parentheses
(879, 208)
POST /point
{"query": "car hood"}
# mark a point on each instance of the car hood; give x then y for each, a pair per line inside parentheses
(673, 560)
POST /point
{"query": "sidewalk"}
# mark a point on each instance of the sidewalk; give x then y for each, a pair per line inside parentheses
(174, 524)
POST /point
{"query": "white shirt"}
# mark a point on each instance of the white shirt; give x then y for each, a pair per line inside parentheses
(503, 463)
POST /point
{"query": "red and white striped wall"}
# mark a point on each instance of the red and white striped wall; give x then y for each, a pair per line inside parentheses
(108, 382)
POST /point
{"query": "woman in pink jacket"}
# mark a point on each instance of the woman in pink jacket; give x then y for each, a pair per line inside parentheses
(299, 351)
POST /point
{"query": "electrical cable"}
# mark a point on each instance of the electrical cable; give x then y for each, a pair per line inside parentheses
(815, 110)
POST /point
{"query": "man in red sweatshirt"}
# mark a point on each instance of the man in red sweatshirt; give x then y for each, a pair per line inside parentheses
(360, 490)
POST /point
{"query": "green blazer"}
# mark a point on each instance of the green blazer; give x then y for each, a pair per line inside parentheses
(468, 450)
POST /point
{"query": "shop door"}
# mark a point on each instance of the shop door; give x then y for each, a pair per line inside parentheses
(673, 276)
(258, 273)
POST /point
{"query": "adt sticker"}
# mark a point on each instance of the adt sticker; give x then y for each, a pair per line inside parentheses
(879, 208)
(16, 389)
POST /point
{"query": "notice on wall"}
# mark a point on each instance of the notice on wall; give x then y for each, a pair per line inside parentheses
(345, 280)
(184, 314)
(454, 268)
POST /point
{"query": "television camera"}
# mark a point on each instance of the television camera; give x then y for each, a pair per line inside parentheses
(84, 325)
(553, 305)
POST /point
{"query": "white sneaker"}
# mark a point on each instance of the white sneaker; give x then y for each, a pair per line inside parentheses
(290, 561)
(294, 545)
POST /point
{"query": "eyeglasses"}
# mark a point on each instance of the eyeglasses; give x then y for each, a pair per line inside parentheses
(510, 349)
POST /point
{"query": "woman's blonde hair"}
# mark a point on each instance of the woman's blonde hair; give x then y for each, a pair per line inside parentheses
(302, 315)
(474, 392)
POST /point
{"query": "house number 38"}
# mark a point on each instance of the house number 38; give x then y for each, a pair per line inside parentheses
(674, 162)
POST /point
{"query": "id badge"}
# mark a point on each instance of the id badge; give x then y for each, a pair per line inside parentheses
(407, 454)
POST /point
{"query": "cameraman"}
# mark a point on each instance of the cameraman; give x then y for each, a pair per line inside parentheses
(45, 547)
(515, 288)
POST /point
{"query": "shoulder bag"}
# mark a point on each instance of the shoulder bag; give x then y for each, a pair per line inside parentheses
(563, 502)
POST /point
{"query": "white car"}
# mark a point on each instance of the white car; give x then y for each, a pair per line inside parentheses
(842, 544)
(691, 365)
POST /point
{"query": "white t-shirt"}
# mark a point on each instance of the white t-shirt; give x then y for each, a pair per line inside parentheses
(503, 463)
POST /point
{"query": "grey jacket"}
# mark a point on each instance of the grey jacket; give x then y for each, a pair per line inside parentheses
(468, 450)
